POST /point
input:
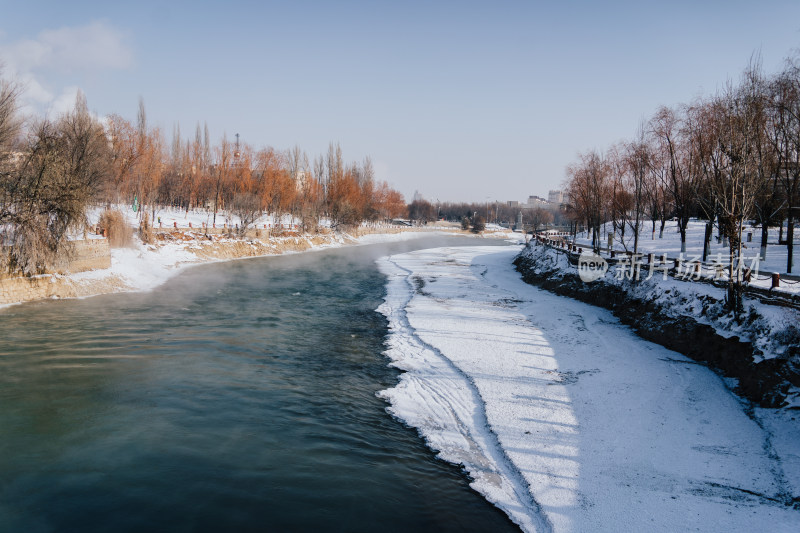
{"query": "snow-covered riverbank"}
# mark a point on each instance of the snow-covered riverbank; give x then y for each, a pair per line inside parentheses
(144, 267)
(567, 420)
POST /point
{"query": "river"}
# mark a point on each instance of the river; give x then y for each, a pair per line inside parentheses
(238, 396)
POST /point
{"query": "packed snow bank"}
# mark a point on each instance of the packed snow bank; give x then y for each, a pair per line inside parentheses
(567, 420)
(143, 267)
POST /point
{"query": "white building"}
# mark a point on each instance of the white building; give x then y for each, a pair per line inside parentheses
(536, 201)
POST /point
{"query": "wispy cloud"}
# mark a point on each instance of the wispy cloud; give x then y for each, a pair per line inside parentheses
(64, 102)
(95, 47)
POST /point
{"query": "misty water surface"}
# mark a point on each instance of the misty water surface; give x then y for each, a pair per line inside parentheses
(237, 397)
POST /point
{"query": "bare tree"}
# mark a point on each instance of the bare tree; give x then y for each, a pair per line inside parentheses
(10, 119)
(785, 119)
(668, 129)
(538, 216)
(618, 197)
(65, 165)
(587, 187)
(739, 111)
(637, 157)
(247, 207)
(421, 211)
(220, 173)
(705, 157)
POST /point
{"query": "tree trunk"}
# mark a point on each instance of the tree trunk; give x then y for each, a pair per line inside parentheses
(734, 284)
(764, 237)
(790, 240)
(214, 219)
(707, 239)
(683, 238)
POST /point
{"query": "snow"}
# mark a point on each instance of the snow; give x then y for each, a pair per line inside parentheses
(143, 267)
(766, 326)
(566, 419)
(718, 254)
(670, 244)
(172, 217)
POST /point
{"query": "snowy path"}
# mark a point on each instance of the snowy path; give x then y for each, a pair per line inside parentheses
(566, 419)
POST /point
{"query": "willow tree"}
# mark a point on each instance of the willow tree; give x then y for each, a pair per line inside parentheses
(64, 166)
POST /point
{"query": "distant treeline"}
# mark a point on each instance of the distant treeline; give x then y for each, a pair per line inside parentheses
(495, 212)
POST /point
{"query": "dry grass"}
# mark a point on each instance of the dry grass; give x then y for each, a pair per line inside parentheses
(118, 232)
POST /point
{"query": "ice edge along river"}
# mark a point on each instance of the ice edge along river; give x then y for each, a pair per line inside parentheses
(564, 418)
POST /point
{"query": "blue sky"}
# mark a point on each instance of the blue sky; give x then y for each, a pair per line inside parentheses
(459, 100)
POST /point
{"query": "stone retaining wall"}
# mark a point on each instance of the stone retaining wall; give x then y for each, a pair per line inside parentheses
(85, 255)
(14, 290)
(89, 254)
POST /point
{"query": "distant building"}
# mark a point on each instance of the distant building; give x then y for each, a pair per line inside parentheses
(555, 197)
(536, 201)
(513, 203)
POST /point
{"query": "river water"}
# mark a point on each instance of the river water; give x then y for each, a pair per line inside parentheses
(237, 397)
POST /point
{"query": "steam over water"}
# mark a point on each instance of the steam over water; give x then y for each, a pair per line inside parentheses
(238, 397)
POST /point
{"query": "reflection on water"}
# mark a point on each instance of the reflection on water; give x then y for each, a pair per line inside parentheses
(238, 397)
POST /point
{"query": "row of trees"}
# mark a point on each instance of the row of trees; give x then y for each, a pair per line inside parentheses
(241, 180)
(728, 159)
(53, 170)
(422, 211)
